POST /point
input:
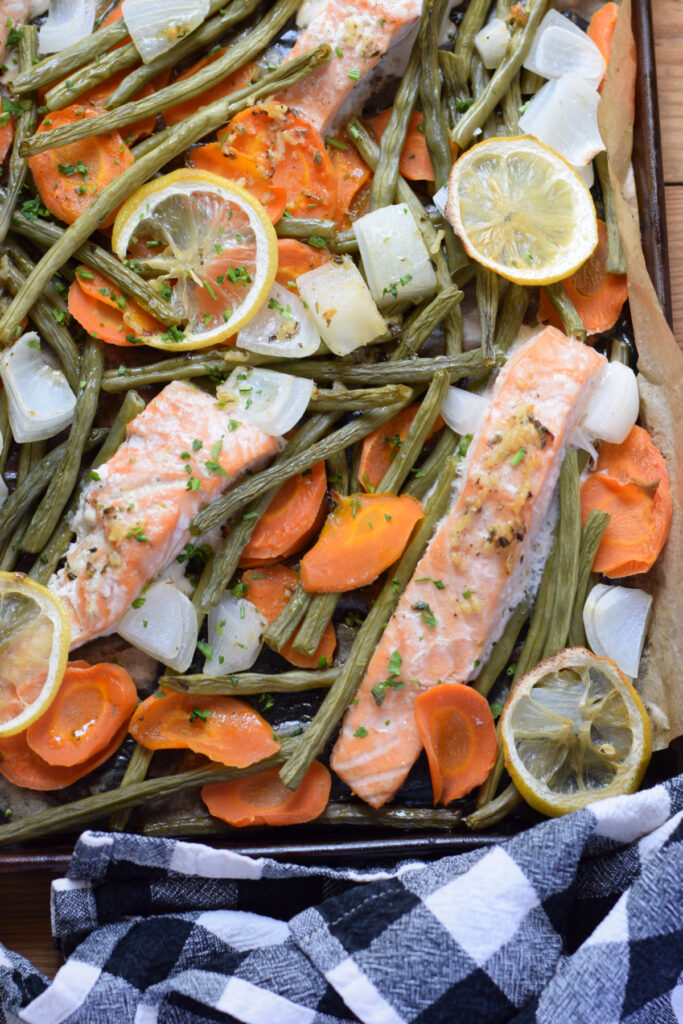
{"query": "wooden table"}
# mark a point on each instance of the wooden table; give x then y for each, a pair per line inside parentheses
(24, 898)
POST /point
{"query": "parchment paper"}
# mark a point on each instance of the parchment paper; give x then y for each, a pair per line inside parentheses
(660, 377)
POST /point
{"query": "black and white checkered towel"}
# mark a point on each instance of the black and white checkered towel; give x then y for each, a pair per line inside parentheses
(579, 919)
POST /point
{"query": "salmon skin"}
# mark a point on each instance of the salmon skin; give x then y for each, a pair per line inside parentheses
(476, 566)
(359, 32)
(182, 451)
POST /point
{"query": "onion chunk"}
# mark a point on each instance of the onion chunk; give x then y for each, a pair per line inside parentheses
(395, 258)
(162, 622)
(67, 23)
(341, 306)
(612, 405)
(273, 402)
(282, 327)
(40, 402)
(235, 636)
(463, 411)
(155, 27)
(619, 619)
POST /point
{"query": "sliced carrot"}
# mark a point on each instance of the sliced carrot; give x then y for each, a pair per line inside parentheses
(6, 137)
(21, 766)
(631, 483)
(296, 258)
(601, 29)
(363, 536)
(352, 173)
(222, 728)
(599, 297)
(415, 162)
(292, 519)
(238, 79)
(70, 177)
(261, 799)
(380, 448)
(243, 171)
(271, 589)
(459, 736)
(91, 705)
(104, 312)
(291, 149)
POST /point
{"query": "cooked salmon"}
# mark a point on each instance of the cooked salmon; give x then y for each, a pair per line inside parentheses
(359, 32)
(475, 568)
(182, 451)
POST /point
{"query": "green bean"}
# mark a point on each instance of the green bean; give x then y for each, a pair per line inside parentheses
(511, 105)
(407, 371)
(502, 649)
(57, 65)
(489, 788)
(46, 563)
(616, 258)
(339, 696)
(538, 627)
(385, 181)
(318, 617)
(252, 682)
(23, 496)
(42, 315)
(152, 141)
(287, 465)
(435, 125)
(471, 24)
(29, 456)
(566, 310)
(453, 91)
(487, 300)
(46, 517)
(419, 429)
(620, 352)
(23, 126)
(338, 398)
(45, 235)
(416, 333)
(201, 38)
(25, 264)
(495, 810)
(500, 81)
(530, 82)
(93, 808)
(430, 470)
(305, 228)
(591, 535)
(206, 362)
(282, 628)
(568, 542)
(338, 464)
(5, 430)
(136, 771)
(100, 70)
(511, 316)
(245, 49)
(188, 131)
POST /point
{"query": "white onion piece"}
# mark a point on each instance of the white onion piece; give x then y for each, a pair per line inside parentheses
(463, 411)
(155, 27)
(164, 625)
(341, 306)
(308, 10)
(589, 619)
(37, 7)
(282, 327)
(560, 47)
(273, 402)
(564, 115)
(395, 259)
(492, 42)
(440, 199)
(235, 635)
(39, 400)
(621, 618)
(68, 22)
(580, 439)
(587, 174)
(613, 404)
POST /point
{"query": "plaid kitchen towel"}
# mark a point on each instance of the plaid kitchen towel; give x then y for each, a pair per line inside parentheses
(579, 919)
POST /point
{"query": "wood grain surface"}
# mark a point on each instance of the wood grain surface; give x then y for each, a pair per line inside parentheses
(24, 897)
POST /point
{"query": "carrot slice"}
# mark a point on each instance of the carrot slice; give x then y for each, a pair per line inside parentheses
(99, 94)
(271, 589)
(601, 29)
(363, 536)
(21, 766)
(243, 171)
(91, 705)
(459, 736)
(380, 448)
(292, 519)
(352, 173)
(6, 137)
(297, 258)
(104, 312)
(291, 149)
(630, 482)
(261, 799)
(238, 79)
(222, 728)
(70, 177)
(415, 162)
(598, 296)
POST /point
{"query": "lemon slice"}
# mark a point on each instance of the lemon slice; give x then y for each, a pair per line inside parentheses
(521, 210)
(574, 730)
(207, 240)
(34, 648)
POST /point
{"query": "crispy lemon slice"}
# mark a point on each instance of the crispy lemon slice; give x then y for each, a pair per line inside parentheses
(574, 730)
(521, 210)
(34, 648)
(206, 240)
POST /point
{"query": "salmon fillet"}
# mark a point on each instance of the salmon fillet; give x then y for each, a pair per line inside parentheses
(475, 568)
(182, 451)
(359, 32)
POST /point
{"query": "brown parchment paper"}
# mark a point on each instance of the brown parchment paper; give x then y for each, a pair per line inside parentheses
(660, 380)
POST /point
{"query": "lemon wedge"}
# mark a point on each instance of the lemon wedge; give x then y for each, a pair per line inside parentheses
(209, 244)
(521, 210)
(574, 730)
(34, 648)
